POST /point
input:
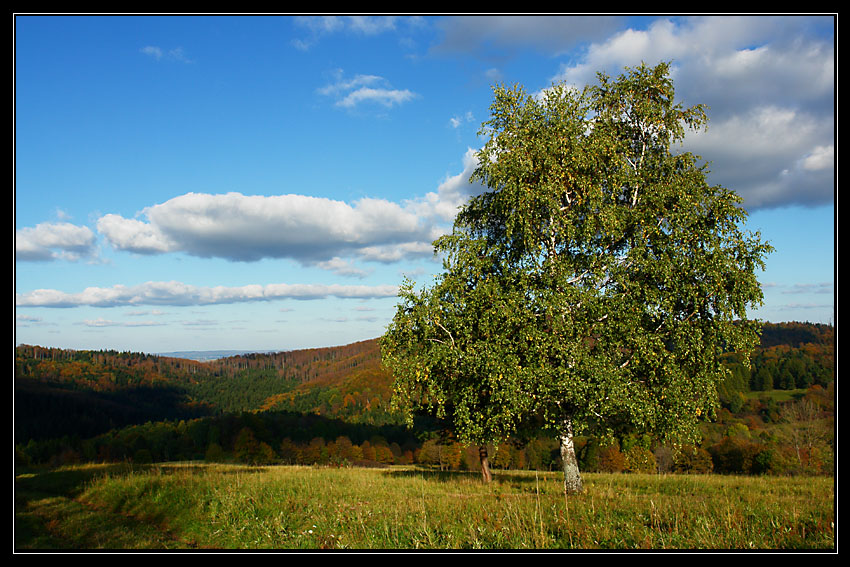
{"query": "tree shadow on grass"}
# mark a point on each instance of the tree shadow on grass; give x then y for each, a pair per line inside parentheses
(50, 515)
(65, 481)
(219, 468)
(436, 475)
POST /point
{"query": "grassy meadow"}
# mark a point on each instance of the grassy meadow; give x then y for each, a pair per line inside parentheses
(205, 506)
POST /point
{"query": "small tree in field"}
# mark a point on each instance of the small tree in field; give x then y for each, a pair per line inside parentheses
(595, 283)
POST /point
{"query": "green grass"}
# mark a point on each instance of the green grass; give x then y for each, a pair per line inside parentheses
(778, 395)
(198, 506)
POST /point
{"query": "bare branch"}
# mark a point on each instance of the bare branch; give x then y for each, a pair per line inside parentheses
(440, 325)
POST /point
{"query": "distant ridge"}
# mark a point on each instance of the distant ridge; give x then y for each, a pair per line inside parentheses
(207, 355)
(210, 355)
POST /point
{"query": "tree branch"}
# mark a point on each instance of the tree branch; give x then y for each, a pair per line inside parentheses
(446, 331)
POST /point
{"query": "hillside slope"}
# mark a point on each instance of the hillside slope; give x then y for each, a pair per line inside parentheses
(62, 392)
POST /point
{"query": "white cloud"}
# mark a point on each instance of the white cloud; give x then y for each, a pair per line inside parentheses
(820, 158)
(458, 121)
(768, 83)
(141, 313)
(153, 51)
(52, 241)
(313, 231)
(100, 322)
(452, 193)
(247, 228)
(321, 26)
(176, 54)
(350, 93)
(769, 87)
(371, 25)
(385, 97)
(770, 155)
(804, 306)
(179, 294)
(343, 268)
(179, 54)
(398, 252)
(345, 85)
(721, 60)
(25, 320)
(818, 288)
(367, 25)
(133, 235)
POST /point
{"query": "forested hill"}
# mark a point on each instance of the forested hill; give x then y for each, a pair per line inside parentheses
(110, 369)
(69, 392)
(795, 334)
(61, 392)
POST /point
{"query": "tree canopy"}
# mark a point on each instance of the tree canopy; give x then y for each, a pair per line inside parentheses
(595, 282)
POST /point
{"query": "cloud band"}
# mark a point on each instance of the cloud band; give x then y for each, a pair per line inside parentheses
(180, 294)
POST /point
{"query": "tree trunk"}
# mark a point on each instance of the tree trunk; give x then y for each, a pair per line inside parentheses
(572, 476)
(485, 463)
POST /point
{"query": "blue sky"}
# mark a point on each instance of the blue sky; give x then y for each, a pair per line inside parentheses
(265, 182)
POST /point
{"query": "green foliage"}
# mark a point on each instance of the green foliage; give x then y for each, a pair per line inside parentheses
(796, 444)
(740, 456)
(214, 453)
(87, 393)
(640, 460)
(690, 459)
(593, 286)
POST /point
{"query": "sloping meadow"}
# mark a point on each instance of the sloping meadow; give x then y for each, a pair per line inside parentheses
(190, 506)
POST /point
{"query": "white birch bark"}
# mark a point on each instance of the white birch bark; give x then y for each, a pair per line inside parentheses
(572, 475)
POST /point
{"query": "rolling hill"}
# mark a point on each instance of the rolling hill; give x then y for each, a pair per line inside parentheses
(60, 392)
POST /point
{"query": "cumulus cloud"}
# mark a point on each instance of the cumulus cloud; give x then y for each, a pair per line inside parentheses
(52, 241)
(769, 87)
(133, 235)
(314, 231)
(240, 227)
(821, 158)
(772, 156)
(452, 193)
(180, 294)
(768, 82)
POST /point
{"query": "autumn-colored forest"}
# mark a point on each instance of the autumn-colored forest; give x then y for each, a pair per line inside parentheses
(331, 406)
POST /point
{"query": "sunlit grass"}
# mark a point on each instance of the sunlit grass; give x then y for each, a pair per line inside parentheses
(282, 507)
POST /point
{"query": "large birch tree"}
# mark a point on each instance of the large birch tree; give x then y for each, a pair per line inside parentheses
(595, 282)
